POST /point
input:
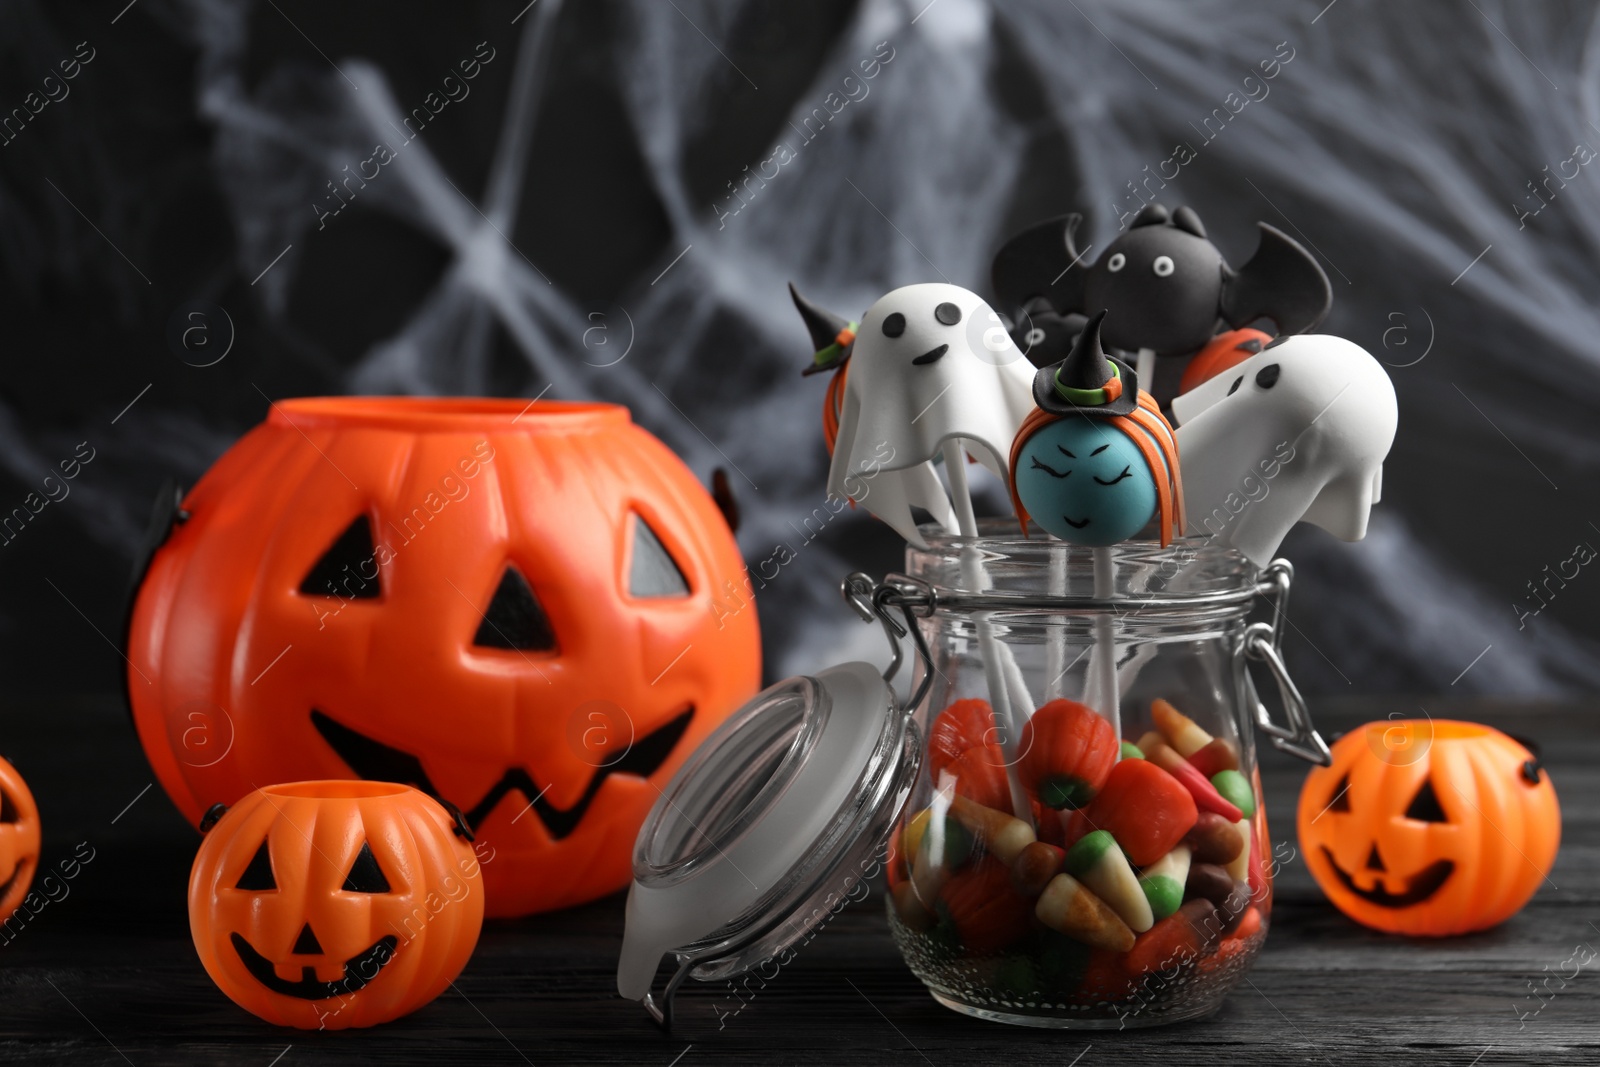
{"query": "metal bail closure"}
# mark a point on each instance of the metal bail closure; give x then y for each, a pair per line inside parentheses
(1264, 642)
(774, 823)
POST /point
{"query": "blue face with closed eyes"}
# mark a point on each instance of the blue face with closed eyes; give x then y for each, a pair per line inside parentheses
(1085, 481)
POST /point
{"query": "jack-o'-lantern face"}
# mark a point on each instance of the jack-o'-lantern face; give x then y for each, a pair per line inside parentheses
(335, 904)
(19, 839)
(1429, 827)
(532, 612)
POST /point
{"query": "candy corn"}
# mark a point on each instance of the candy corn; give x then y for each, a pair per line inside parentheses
(1098, 863)
(1002, 835)
(1163, 881)
(1181, 732)
(1068, 907)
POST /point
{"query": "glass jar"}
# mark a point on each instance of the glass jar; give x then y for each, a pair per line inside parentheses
(1052, 859)
(1071, 858)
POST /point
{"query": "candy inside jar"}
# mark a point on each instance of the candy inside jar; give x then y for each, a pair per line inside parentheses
(1132, 885)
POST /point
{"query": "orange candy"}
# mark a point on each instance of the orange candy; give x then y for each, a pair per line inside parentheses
(1067, 751)
(965, 743)
(1145, 808)
(987, 913)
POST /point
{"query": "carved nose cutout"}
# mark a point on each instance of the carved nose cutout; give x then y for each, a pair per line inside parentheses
(306, 944)
(1375, 861)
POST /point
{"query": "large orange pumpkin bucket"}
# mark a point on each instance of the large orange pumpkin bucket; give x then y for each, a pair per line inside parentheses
(515, 607)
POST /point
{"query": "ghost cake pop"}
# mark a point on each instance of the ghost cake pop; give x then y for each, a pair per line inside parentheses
(1095, 460)
(927, 365)
(1297, 432)
(1163, 282)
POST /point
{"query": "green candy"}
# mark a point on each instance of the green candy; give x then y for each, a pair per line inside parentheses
(1163, 893)
(1131, 751)
(1063, 792)
(1236, 791)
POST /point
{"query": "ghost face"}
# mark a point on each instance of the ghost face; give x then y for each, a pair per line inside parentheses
(1296, 432)
(1085, 481)
(1160, 286)
(930, 363)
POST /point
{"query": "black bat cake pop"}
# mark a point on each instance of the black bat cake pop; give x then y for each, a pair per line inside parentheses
(1163, 283)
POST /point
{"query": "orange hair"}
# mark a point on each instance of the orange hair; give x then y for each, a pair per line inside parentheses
(833, 406)
(1149, 430)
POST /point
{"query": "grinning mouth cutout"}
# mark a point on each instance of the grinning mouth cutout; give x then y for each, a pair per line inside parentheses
(16, 873)
(358, 970)
(376, 761)
(1422, 885)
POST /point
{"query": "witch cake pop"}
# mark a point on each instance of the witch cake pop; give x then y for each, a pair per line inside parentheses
(1095, 460)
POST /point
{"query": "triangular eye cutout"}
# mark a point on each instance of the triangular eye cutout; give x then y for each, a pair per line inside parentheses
(514, 619)
(653, 572)
(349, 568)
(8, 808)
(258, 876)
(365, 875)
(1341, 796)
(1425, 805)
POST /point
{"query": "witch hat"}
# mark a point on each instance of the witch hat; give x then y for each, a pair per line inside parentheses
(1087, 382)
(831, 334)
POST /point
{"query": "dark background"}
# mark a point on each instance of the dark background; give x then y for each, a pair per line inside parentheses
(195, 148)
(186, 166)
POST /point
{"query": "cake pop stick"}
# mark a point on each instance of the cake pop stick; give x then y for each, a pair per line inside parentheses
(1091, 465)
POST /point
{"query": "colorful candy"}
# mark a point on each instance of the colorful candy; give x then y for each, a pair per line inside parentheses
(1131, 751)
(1213, 839)
(1239, 866)
(1219, 755)
(1068, 907)
(1236, 790)
(1181, 732)
(964, 743)
(1146, 809)
(1034, 866)
(986, 914)
(1163, 881)
(1190, 932)
(1067, 752)
(1098, 863)
(1205, 795)
(1002, 835)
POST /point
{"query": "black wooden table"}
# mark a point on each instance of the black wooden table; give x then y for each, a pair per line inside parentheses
(106, 974)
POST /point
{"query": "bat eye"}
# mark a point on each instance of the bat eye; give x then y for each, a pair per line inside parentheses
(1116, 262)
(947, 313)
(894, 325)
(1163, 266)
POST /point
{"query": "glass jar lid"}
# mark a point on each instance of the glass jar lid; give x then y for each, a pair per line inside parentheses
(781, 813)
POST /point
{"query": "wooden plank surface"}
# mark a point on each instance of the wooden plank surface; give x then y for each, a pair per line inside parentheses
(106, 973)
